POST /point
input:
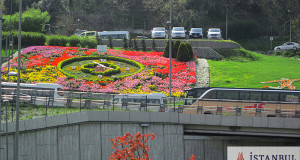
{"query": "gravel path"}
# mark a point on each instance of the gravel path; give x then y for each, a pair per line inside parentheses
(202, 71)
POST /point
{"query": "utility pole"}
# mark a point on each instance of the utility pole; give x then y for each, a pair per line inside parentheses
(226, 5)
(16, 150)
(290, 14)
(170, 49)
(1, 14)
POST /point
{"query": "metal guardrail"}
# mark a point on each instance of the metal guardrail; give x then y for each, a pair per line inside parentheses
(82, 101)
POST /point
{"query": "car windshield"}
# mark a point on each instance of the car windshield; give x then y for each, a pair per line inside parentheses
(158, 29)
(178, 29)
(196, 29)
(214, 30)
(80, 31)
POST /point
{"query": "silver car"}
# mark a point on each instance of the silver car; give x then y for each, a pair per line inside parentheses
(288, 46)
(159, 32)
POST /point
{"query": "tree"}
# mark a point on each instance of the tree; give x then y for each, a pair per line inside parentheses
(136, 47)
(131, 147)
(33, 20)
(183, 54)
(125, 45)
(110, 42)
(153, 45)
(130, 46)
(166, 50)
(143, 45)
(190, 50)
(99, 40)
(175, 48)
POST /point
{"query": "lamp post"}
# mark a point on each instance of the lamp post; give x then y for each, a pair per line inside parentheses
(0, 69)
(16, 150)
(226, 5)
(289, 12)
(78, 21)
(170, 49)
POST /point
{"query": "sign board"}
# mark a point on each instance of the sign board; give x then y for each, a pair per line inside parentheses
(271, 38)
(101, 48)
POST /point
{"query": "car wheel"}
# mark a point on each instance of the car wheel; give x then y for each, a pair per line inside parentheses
(278, 49)
(294, 48)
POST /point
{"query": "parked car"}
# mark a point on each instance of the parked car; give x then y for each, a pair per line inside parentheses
(196, 33)
(79, 31)
(288, 46)
(178, 32)
(214, 33)
(159, 32)
(141, 37)
(88, 34)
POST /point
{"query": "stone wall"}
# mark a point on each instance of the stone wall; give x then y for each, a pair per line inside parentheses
(86, 135)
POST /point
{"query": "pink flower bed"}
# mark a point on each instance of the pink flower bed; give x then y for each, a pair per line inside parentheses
(155, 77)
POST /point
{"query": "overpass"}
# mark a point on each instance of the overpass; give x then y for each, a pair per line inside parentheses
(86, 135)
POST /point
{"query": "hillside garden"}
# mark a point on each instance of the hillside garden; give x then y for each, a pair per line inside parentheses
(124, 72)
(249, 72)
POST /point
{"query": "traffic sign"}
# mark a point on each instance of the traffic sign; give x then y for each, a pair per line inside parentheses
(101, 48)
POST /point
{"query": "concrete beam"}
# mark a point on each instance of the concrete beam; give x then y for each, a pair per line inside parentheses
(244, 121)
(118, 116)
(213, 119)
(198, 119)
(275, 122)
(139, 116)
(32, 124)
(260, 122)
(56, 120)
(228, 120)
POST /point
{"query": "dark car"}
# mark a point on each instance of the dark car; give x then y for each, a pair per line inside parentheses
(141, 37)
(196, 33)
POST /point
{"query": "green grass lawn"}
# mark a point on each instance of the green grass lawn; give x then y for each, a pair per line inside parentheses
(250, 74)
(4, 52)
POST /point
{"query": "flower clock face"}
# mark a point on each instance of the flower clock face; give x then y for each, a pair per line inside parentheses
(99, 68)
(117, 71)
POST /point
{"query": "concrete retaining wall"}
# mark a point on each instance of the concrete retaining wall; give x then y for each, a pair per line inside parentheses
(86, 135)
(202, 49)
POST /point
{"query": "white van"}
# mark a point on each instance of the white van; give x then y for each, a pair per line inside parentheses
(178, 32)
(214, 33)
(159, 32)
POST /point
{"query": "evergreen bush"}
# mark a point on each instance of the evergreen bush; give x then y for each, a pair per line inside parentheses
(99, 40)
(57, 40)
(125, 44)
(166, 50)
(110, 42)
(130, 46)
(28, 38)
(88, 43)
(190, 50)
(136, 47)
(175, 48)
(183, 54)
(74, 41)
(143, 45)
(153, 45)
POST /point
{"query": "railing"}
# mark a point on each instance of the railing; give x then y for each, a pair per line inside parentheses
(83, 101)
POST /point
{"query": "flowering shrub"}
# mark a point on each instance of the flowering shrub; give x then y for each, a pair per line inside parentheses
(39, 64)
(129, 147)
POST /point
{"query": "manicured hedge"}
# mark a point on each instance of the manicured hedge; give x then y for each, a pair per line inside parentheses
(75, 59)
(27, 38)
(87, 69)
